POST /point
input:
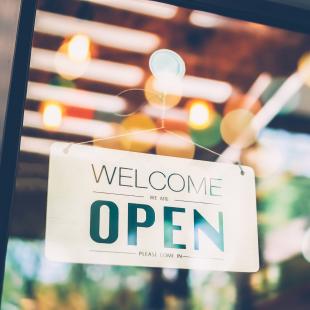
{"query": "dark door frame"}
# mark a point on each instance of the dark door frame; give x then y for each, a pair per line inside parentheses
(12, 114)
(261, 11)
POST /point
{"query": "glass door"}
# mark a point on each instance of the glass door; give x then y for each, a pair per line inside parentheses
(94, 84)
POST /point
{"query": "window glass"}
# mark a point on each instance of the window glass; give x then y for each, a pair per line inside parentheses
(91, 79)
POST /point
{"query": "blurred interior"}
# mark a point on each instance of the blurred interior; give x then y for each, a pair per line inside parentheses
(90, 80)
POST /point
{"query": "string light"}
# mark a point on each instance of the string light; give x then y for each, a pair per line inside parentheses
(204, 123)
(79, 48)
(52, 115)
(200, 115)
(73, 57)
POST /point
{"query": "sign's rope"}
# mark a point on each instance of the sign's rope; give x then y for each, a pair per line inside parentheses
(162, 127)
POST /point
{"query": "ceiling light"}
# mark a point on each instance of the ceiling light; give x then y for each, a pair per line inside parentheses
(36, 145)
(212, 90)
(100, 33)
(79, 48)
(199, 115)
(206, 20)
(71, 125)
(150, 8)
(97, 70)
(52, 115)
(76, 97)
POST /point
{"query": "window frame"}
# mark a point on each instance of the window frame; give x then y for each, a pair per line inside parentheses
(12, 114)
(260, 11)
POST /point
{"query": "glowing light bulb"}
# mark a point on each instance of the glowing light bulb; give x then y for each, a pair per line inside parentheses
(52, 115)
(79, 48)
(199, 115)
(73, 57)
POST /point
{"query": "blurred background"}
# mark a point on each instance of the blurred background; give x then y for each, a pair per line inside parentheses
(90, 80)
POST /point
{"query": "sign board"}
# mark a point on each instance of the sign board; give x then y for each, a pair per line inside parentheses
(123, 208)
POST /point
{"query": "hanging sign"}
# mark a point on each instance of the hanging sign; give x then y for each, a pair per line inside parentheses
(123, 208)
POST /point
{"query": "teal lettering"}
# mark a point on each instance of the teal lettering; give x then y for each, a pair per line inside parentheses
(169, 227)
(95, 221)
(212, 186)
(202, 224)
(133, 223)
(203, 182)
(110, 180)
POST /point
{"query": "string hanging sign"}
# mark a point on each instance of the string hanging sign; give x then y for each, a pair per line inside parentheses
(125, 208)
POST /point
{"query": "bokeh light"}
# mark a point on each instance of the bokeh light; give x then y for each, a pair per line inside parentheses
(138, 134)
(73, 57)
(304, 68)
(79, 48)
(201, 114)
(52, 114)
(204, 123)
(236, 129)
(170, 274)
(209, 136)
(177, 144)
(163, 93)
(305, 248)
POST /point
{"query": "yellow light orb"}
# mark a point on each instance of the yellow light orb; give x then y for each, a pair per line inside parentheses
(304, 68)
(139, 134)
(199, 115)
(165, 92)
(52, 115)
(79, 48)
(177, 145)
(73, 57)
(236, 129)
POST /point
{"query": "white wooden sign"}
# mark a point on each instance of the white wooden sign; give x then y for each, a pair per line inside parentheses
(124, 208)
